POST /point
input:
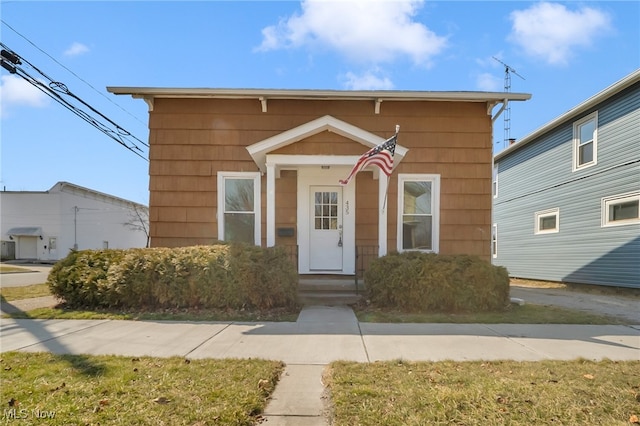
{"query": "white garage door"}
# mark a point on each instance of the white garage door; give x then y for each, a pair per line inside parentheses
(27, 248)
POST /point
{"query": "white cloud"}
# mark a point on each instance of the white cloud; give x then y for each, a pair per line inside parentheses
(551, 32)
(372, 31)
(15, 91)
(366, 81)
(489, 82)
(76, 49)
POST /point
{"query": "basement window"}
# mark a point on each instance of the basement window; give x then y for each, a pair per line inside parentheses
(547, 221)
(621, 209)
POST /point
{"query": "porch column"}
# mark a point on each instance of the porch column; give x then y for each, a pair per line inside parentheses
(271, 205)
(383, 203)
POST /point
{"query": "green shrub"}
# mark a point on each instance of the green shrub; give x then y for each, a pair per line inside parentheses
(78, 278)
(427, 282)
(217, 276)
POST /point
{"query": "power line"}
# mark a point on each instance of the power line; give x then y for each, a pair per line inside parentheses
(73, 73)
(11, 61)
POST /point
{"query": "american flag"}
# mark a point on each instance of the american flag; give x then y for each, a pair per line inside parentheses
(381, 156)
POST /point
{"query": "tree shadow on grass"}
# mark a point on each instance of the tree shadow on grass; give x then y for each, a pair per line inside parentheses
(83, 364)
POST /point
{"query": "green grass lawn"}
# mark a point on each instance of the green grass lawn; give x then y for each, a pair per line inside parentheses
(25, 292)
(110, 390)
(10, 269)
(163, 315)
(515, 314)
(485, 393)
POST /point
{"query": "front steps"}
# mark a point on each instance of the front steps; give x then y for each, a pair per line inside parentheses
(329, 290)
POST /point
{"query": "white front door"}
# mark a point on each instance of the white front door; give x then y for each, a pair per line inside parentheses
(326, 221)
(325, 230)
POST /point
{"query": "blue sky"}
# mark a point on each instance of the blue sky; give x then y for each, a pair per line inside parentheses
(566, 52)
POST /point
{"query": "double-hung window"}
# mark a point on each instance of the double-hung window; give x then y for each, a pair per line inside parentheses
(239, 207)
(547, 221)
(494, 240)
(585, 141)
(621, 209)
(418, 212)
(495, 181)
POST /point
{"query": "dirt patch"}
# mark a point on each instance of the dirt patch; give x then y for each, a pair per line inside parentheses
(575, 287)
(521, 282)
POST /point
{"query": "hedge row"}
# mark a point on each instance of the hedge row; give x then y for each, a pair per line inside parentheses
(421, 282)
(217, 276)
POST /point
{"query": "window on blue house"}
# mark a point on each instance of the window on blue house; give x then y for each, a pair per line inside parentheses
(547, 221)
(585, 142)
(623, 209)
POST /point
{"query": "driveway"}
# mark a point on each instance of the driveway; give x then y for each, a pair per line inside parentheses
(38, 275)
(626, 307)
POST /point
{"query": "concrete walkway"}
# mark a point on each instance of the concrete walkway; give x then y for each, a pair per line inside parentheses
(321, 335)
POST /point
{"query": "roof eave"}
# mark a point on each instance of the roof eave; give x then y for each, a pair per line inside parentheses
(596, 99)
(381, 95)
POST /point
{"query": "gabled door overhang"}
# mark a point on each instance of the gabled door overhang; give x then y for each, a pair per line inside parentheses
(259, 150)
(271, 164)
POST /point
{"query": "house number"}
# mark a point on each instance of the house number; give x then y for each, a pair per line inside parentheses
(346, 208)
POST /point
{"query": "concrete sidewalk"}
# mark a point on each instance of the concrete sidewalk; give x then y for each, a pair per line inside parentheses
(321, 335)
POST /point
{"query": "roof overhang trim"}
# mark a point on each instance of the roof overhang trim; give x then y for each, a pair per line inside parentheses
(259, 150)
(25, 231)
(264, 95)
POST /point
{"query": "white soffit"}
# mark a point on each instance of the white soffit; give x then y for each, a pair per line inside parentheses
(259, 150)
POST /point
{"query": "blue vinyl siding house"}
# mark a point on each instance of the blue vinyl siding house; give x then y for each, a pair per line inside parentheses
(566, 197)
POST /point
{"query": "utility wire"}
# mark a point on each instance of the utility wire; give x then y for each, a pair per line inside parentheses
(73, 73)
(54, 89)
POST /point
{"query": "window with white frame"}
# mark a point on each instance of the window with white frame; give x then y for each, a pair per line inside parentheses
(494, 240)
(621, 209)
(547, 221)
(585, 143)
(418, 212)
(239, 207)
(495, 181)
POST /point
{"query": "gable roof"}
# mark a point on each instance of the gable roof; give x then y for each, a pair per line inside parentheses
(605, 94)
(259, 150)
(72, 188)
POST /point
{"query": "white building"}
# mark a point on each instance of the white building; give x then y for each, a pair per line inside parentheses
(46, 225)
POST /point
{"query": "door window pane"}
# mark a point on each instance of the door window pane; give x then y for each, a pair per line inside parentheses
(326, 210)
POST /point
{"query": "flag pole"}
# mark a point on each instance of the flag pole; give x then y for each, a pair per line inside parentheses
(384, 204)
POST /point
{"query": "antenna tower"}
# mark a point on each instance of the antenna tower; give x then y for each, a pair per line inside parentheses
(507, 111)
